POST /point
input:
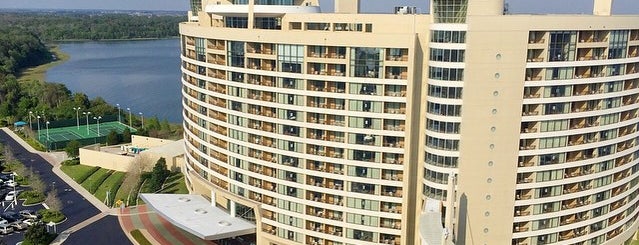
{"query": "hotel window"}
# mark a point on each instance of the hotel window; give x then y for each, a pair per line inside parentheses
(445, 74)
(273, 2)
(448, 36)
(552, 159)
(618, 44)
(366, 62)
(361, 122)
(442, 127)
(557, 91)
(196, 7)
(559, 73)
(240, 2)
(556, 108)
(450, 11)
(236, 54)
(609, 119)
(434, 193)
(442, 144)
(447, 55)
(290, 57)
(364, 204)
(445, 92)
(549, 175)
(362, 219)
(437, 177)
(562, 46)
(268, 23)
(363, 172)
(552, 142)
(200, 46)
(365, 106)
(441, 161)
(444, 110)
(317, 26)
(236, 22)
(554, 125)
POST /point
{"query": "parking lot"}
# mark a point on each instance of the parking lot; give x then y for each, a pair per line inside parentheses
(12, 228)
(75, 207)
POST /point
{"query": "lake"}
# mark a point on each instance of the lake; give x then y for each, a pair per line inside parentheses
(141, 75)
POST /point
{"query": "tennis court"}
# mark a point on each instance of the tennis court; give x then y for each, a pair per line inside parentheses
(86, 134)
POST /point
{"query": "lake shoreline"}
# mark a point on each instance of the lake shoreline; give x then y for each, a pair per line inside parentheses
(39, 72)
(114, 40)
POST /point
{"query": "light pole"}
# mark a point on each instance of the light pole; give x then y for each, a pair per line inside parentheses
(87, 114)
(47, 134)
(97, 121)
(38, 128)
(142, 116)
(30, 115)
(118, 105)
(77, 116)
(129, 109)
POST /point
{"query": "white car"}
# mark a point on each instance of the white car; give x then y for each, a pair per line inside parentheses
(31, 222)
(11, 195)
(10, 183)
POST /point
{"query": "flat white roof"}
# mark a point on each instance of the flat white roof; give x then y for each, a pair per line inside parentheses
(195, 214)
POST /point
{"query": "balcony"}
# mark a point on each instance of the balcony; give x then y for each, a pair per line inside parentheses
(388, 207)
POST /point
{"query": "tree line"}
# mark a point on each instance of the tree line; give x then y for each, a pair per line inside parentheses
(85, 26)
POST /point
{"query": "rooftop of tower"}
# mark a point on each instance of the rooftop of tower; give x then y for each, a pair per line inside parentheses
(619, 7)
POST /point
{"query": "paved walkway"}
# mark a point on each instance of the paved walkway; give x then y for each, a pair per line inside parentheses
(160, 230)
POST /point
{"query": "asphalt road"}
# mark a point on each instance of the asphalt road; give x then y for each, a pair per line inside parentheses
(105, 231)
(75, 207)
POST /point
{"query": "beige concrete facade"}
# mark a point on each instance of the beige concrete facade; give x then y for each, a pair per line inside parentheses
(333, 128)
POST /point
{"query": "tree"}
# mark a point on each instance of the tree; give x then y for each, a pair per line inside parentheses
(126, 135)
(112, 138)
(38, 235)
(73, 149)
(36, 183)
(53, 201)
(158, 175)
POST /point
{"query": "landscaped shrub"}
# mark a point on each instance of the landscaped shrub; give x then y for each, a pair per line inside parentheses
(94, 181)
(82, 178)
(51, 216)
(71, 162)
(32, 197)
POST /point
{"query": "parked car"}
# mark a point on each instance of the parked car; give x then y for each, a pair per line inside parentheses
(11, 195)
(30, 214)
(11, 216)
(5, 229)
(19, 225)
(10, 183)
(3, 221)
(31, 222)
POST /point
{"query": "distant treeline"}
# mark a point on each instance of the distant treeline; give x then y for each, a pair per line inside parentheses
(84, 26)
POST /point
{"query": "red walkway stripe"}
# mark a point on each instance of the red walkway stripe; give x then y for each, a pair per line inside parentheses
(151, 228)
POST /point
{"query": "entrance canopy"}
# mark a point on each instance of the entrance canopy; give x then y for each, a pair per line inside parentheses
(195, 214)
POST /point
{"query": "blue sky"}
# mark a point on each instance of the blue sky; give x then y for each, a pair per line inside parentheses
(516, 6)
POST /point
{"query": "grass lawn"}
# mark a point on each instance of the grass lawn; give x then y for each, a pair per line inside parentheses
(79, 173)
(174, 184)
(112, 183)
(137, 235)
(95, 180)
(38, 72)
(32, 197)
(635, 242)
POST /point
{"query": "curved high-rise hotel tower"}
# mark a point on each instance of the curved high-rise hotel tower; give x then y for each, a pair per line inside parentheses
(463, 126)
